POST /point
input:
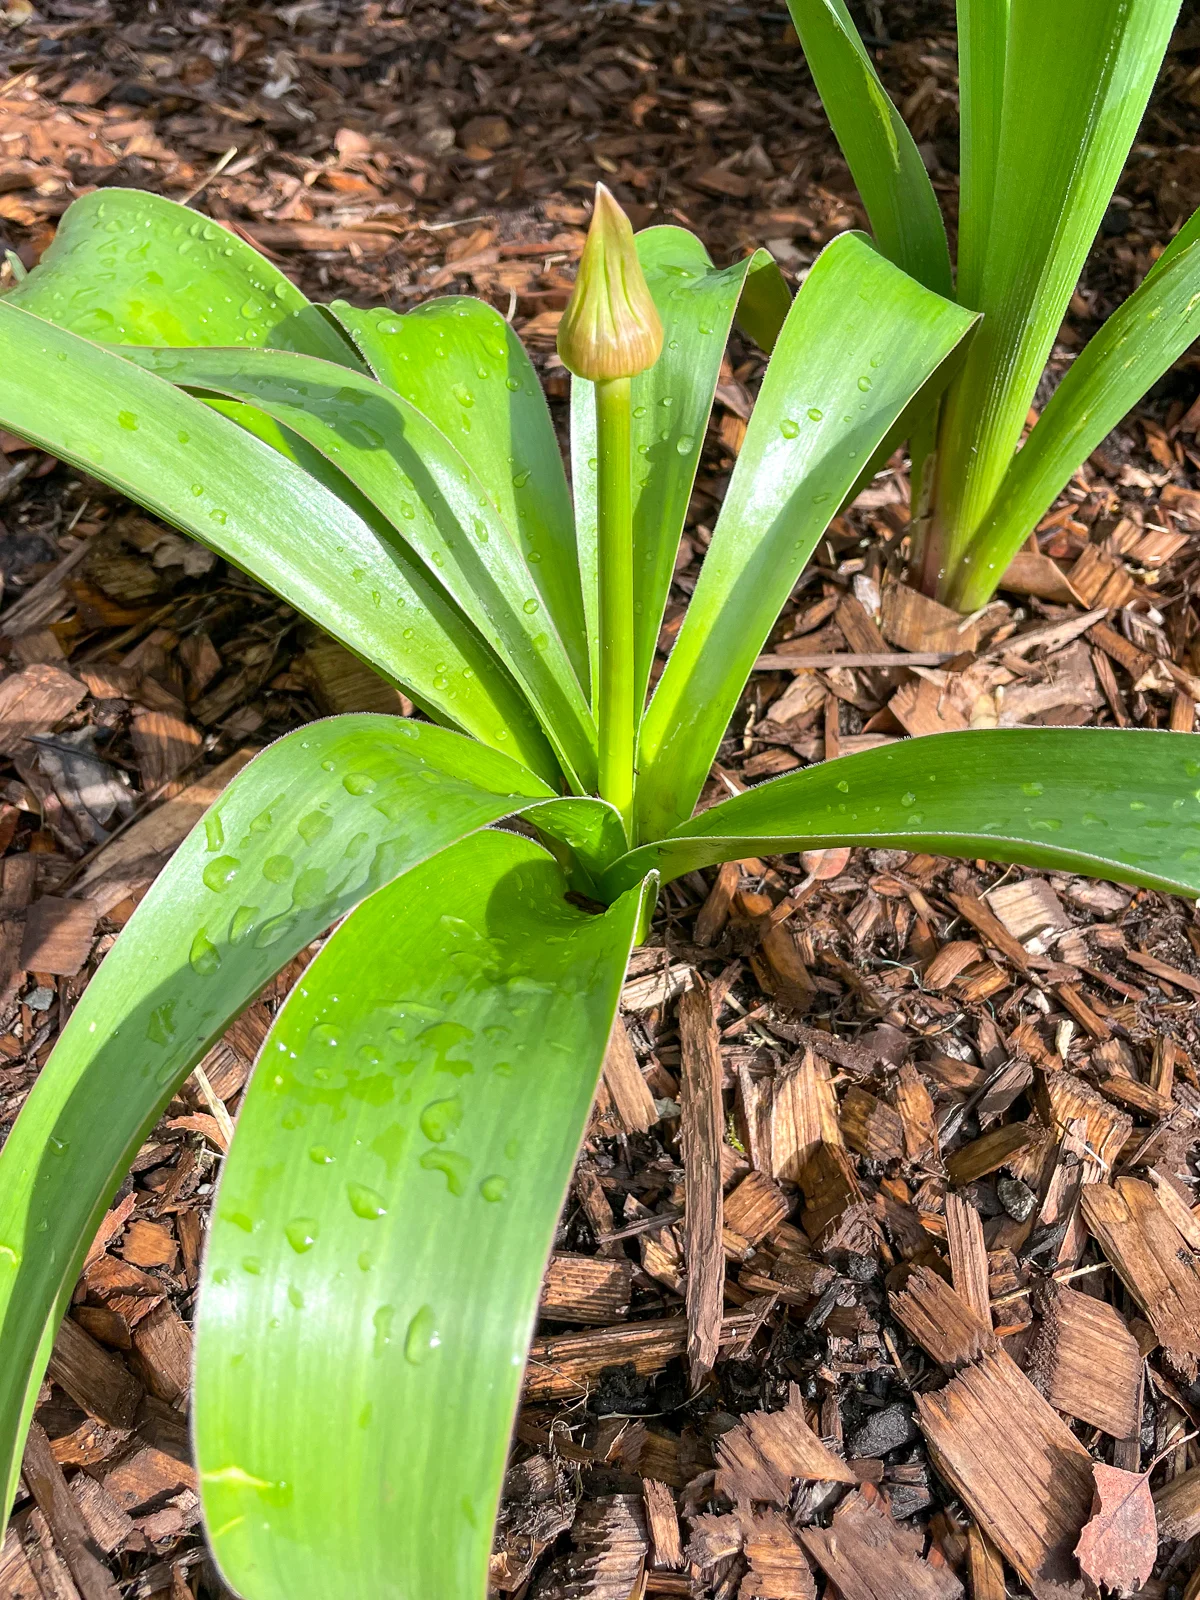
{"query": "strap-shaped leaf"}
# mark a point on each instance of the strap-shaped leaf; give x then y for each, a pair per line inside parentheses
(1114, 803)
(315, 823)
(128, 267)
(982, 49)
(1111, 373)
(859, 341)
(1186, 236)
(879, 150)
(383, 1223)
(671, 403)
(460, 363)
(201, 472)
(413, 474)
(1077, 77)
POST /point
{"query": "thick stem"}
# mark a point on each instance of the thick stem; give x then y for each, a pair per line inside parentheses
(614, 508)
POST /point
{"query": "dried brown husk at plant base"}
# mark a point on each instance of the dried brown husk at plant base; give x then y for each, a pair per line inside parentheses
(387, 156)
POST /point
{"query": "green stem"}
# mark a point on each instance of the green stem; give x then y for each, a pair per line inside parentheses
(614, 506)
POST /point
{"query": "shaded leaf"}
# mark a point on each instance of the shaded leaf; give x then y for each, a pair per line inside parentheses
(1118, 1547)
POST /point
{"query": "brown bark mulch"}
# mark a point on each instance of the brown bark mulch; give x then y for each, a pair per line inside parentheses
(881, 1257)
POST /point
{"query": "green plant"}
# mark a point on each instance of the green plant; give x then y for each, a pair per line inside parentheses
(405, 1143)
(1050, 101)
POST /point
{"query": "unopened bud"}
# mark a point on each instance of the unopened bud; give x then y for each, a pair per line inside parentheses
(610, 328)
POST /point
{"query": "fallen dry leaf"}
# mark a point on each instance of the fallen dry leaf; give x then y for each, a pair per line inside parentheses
(1118, 1545)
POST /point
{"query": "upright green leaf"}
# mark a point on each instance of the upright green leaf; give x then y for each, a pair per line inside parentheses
(389, 1201)
(982, 50)
(1077, 77)
(128, 267)
(883, 159)
(197, 470)
(458, 361)
(860, 340)
(1187, 235)
(416, 478)
(314, 824)
(671, 401)
(1110, 802)
(1111, 373)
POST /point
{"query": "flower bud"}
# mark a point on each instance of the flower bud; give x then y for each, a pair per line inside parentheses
(610, 328)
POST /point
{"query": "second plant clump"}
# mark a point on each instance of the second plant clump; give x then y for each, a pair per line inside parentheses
(404, 1147)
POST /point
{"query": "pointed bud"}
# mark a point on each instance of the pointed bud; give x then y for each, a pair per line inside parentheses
(610, 328)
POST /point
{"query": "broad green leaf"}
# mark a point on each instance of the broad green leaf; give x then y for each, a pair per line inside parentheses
(1077, 77)
(1115, 368)
(382, 1227)
(418, 481)
(460, 363)
(859, 341)
(982, 48)
(202, 473)
(128, 267)
(1109, 802)
(883, 159)
(671, 404)
(315, 823)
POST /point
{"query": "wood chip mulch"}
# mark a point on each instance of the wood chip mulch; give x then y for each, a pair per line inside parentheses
(880, 1272)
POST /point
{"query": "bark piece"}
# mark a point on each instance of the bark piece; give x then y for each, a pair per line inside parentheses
(915, 1106)
(714, 913)
(1021, 1471)
(107, 1524)
(162, 1344)
(941, 1322)
(968, 1257)
(586, 1289)
(1063, 1099)
(992, 1151)
(869, 1556)
(950, 960)
(1177, 1505)
(33, 701)
(1027, 907)
(61, 1511)
(58, 935)
(562, 1364)
(148, 1476)
(768, 1450)
(1161, 969)
(804, 1115)
(1151, 1256)
(609, 1549)
(912, 621)
(94, 1379)
(700, 1137)
(871, 1126)
(779, 1569)
(662, 1525)
(752, 1210)
(17, 1581)
(1086, 1362)
(1117, 1548)
(836, 1213)
(149, 1244)
(632, 1102)
(342, 683)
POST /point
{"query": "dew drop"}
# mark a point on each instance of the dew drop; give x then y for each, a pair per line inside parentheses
(214, 830)
(1032, 789)
(278, 869)
(421, 1338)
(382, 1323)
(128, 420)
(221, 872)
(314, 826)
(530, 607)
(520, 479)
(204, 956)
(864, 383)
(319, 1155)
(252, 1265)
(301, 1234)
(358, 783)
(815, 413)
(684, 443)
(455, 1168)
(365, 1202)
(441, 1118)
(494, 1188)
(788, 428)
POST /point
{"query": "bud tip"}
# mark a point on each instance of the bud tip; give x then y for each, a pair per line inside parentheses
(611, 328)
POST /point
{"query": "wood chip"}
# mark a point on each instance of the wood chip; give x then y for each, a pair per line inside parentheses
(779, 1569)
(1018, 1467)
(753, 1209)
(57, 1504)
(609, 1551)
(662, 1525)
(869, 1556)
(714, 913)
(1086, 1362)
(1151, 1256)
(992, 1151)
(985, 1566)
(162, 1345)
(768, 1451)
(986, 923)
(700, 1138)
(871, 1126)
(32, 701)
(1162, 969)
(968, 1257)
(562, 1365)
(632, 1103)
(94, 1379)
(58, 936)
(941, 1322)
(950, 960)
(1177, 1504)
(804, 1115)
(593, 1289)
(164, 745)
